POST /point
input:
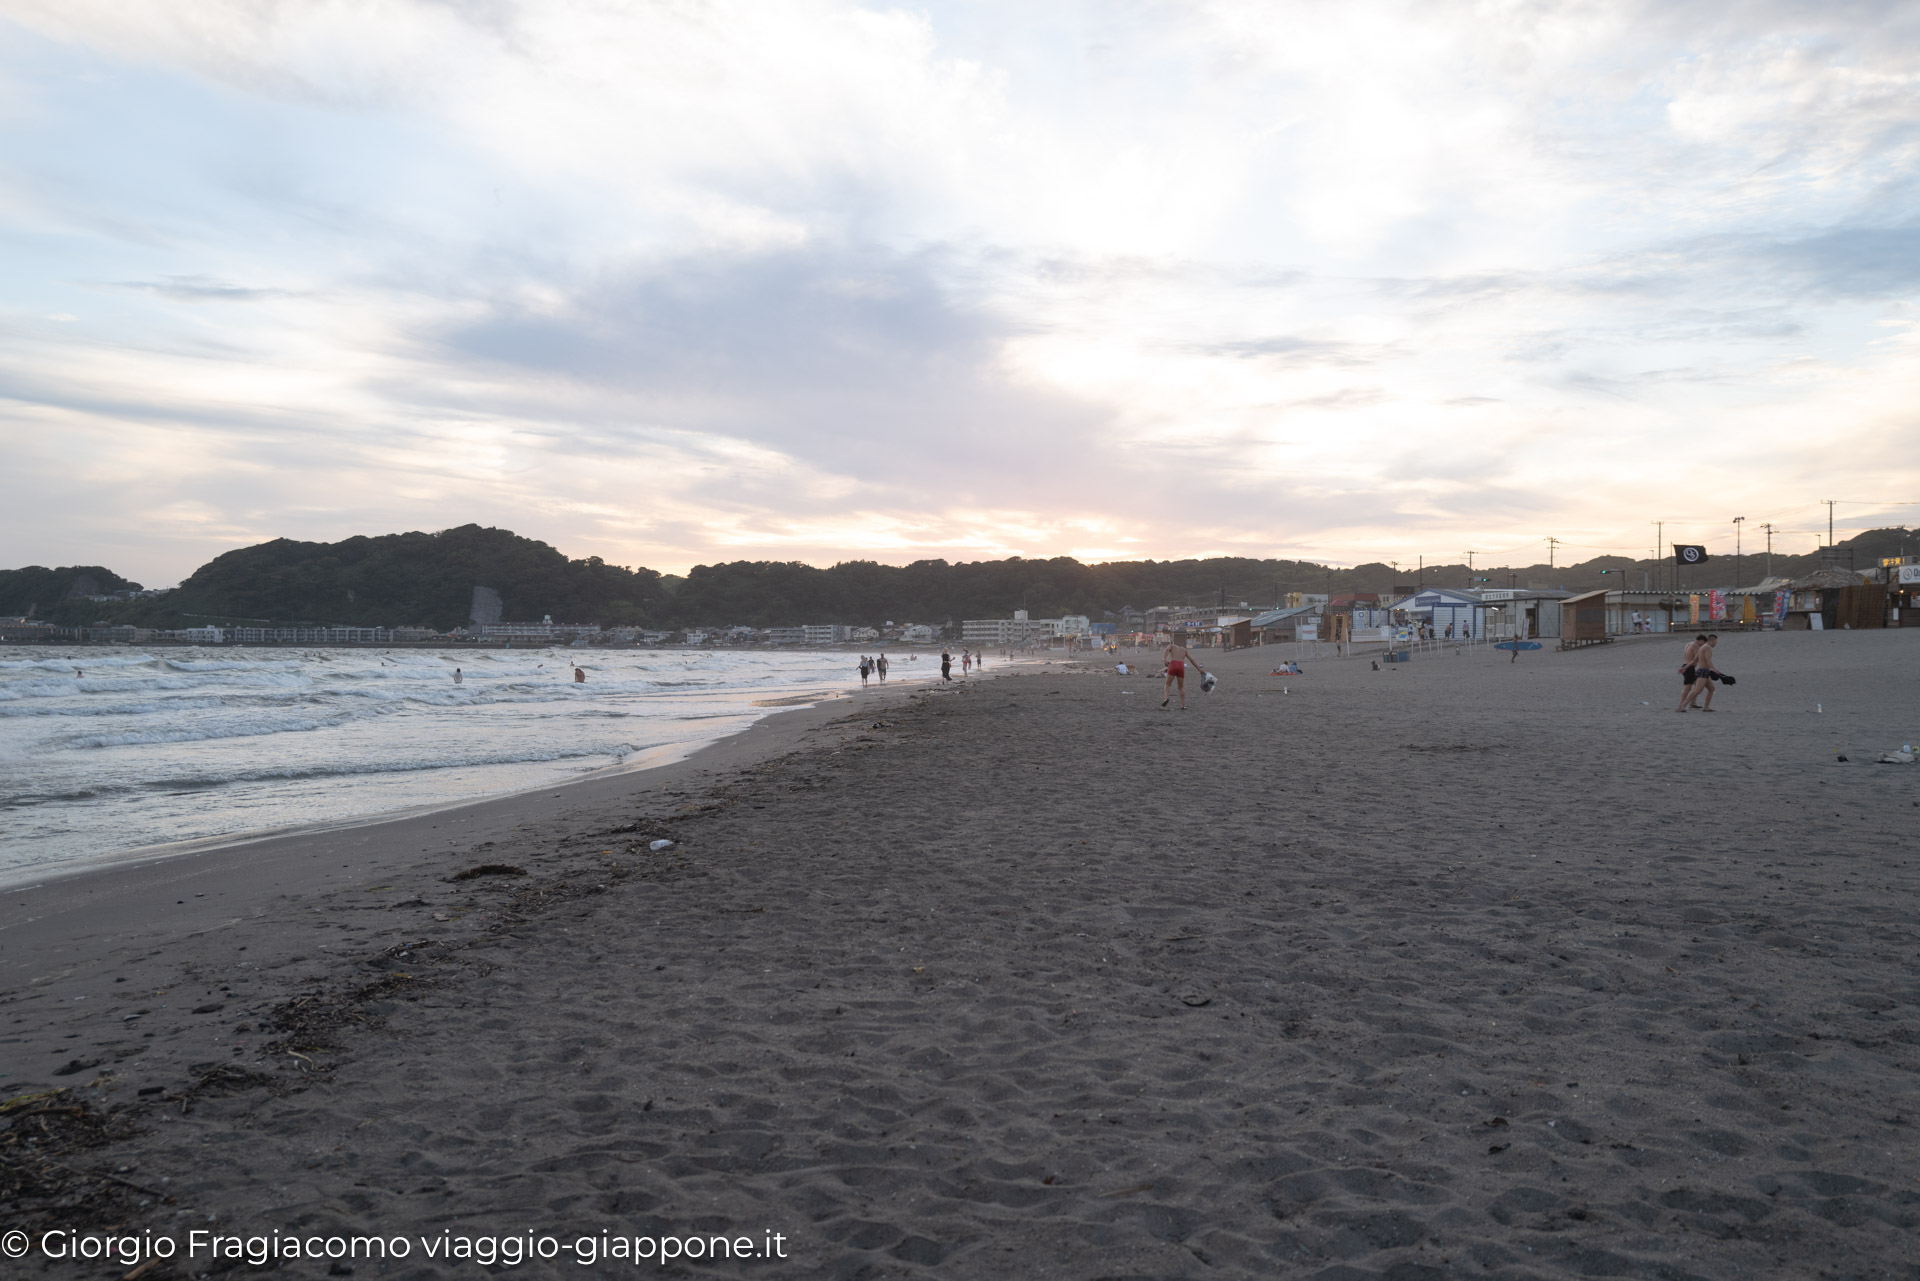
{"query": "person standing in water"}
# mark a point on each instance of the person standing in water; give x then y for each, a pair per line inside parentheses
(457, 677)
(946, 666)
(864, 668)
(579, 677)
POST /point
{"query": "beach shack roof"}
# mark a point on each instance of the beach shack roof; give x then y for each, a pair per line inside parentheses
(1427, 597)
(1828, 580)
(1273, 616)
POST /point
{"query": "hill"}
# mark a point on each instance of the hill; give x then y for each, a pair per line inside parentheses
(400, 580)
(36, 591)
(427, 580)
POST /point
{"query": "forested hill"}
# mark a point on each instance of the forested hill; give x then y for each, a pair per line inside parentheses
(397, 580)
(427, 580)
(39, 591)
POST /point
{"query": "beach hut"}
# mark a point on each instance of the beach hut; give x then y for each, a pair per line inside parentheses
(1583, 620)
(1904, 595)
(1455, 615)
(1829, 599)
(1277, 626)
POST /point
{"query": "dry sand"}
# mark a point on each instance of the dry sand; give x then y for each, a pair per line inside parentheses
(1457, 968)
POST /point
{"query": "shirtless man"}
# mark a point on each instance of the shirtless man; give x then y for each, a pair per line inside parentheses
(1693, 672)
(1177, 660)
(1708, 671)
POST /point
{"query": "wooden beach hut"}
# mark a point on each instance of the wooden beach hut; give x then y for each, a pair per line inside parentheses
(1583, 620)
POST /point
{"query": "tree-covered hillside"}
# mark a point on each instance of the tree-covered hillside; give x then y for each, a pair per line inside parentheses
(402, 580)
(39, 591)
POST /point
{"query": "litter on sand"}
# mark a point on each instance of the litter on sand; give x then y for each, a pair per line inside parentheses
(657, 846)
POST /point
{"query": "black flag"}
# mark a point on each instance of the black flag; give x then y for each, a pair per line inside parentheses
(1688, 554)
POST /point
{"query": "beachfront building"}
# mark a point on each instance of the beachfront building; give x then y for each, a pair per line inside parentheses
(309, 635)
(1523, 613)
(1278, 626)
(1631, 613)
(544, 630)
(1018, 630)
(918, 634)
(826, 633)
(1454, 614)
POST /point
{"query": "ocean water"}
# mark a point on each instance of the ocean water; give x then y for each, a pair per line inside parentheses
(108, 751)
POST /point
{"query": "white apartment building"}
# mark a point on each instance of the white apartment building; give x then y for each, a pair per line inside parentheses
(545, 629)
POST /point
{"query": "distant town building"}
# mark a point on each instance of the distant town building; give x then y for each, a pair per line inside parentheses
(544, 630)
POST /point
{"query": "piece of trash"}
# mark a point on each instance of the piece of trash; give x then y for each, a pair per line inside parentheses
(441, 916)
(1818, 707)
(657, 846)
(1896, 758)
(1838, 757)
(488, 869)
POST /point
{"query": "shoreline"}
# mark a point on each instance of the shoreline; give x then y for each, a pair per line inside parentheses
(113, 895)
(661, 755)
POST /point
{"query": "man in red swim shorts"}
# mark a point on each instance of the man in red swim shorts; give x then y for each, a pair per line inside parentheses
(1177, 660)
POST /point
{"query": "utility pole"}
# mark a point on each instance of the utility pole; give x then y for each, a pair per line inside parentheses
(1420, 583)
(1769, 528)
(1552, 542)
(1829, 502)
(1659, 550)
(1470, 571)
(1736, 549)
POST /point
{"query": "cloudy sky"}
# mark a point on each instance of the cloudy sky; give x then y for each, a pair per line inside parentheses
(687, 281)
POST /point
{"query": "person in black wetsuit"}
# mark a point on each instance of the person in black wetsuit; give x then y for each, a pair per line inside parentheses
(946, 666)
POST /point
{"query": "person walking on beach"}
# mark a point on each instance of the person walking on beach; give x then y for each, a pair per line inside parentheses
(1177, 659)
(966, 661)
(863, 669)
(946, 666)
(1705, 673)
(880, 666)
(1692, 676)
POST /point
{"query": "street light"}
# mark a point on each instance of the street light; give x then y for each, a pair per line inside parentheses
(1623, 595)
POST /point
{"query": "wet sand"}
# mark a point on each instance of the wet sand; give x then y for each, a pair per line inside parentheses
(1451, 968)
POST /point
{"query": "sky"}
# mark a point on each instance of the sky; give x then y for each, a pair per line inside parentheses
(682, 282)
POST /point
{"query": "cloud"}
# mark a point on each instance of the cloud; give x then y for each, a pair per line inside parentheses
(203, 289)
(671, 283)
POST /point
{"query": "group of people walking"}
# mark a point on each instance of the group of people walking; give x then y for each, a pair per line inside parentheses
(875, 666)
(1698, 674)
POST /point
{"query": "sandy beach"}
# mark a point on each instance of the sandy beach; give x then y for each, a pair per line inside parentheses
(1456, 968)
